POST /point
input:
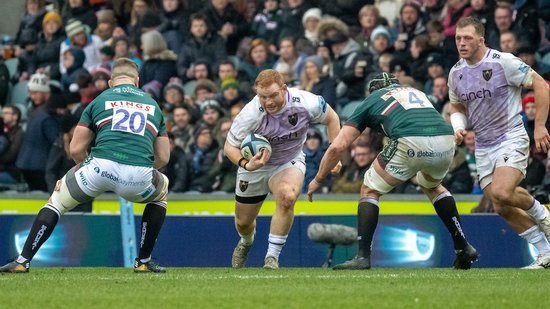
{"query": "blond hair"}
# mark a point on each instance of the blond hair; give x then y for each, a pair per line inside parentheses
(267, 78)
(472, 21)
(124, 67)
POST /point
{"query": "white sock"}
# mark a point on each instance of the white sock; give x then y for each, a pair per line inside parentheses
(247, 239)
(276, 243)
(537, 210)
(535, 236)
(145, 260)
(21, 259)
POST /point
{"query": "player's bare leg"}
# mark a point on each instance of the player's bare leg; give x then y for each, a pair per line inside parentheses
(245, 224)
(286, 187)
(517, 207)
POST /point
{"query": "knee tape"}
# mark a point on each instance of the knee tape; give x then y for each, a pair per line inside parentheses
(376, 182)
(425, 183)
(61, 198)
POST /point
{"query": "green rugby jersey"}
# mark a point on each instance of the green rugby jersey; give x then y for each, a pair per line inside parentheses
(125, 121)
(399, 111)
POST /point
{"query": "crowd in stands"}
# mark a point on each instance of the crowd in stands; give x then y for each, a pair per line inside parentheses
(199, 60)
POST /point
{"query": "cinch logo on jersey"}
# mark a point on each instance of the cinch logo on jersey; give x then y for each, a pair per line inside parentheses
(285, 137)
(149, 109)
(480, 94)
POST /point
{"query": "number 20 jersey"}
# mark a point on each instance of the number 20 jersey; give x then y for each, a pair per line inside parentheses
(399, 111)
(126, 122)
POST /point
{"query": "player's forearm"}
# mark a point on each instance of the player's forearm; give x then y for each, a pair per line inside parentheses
(330, 159)
(232, 153)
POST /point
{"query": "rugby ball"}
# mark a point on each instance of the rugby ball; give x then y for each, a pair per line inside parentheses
(253, 144)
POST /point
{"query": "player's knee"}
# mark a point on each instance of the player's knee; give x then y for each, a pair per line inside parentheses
(427, 182)
(243, 223)
(501, 196)
(61, 198)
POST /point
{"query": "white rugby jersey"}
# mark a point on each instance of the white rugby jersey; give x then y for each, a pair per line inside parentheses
(491, 92)
(286, 130)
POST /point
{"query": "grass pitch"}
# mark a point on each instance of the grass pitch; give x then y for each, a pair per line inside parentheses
(286, 288)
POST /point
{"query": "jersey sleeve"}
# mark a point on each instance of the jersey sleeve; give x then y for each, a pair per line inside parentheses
(86, 119)
(360, 118)
(246, 122)
(453, 98)
(517, 72)
(316, 106)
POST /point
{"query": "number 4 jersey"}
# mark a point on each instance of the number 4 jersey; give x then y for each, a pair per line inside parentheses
(126, 122)
(399, 111)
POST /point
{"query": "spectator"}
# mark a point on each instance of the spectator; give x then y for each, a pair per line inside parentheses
(24, 53)
(528, 54)
(205, 89)
(159, 62)
(230, 93)
(483, 10)
(100, 79)
(293, 13)
(202, 156)
(175, 23)
(350, 68)
(325, 52)
(11, 116)
(121, 46)
(177, 167)
(456, 10)
(420, 49)
(267, 24)
(526, 22)
(106, 24)
(346, 10)
(314, 149)
(440, 93)
(42, 130)
(201, 44)
(369, 18)
(79, 10)
(78, 35)
(439, 42)
(352, 178)
(410, 25)
(329, 26)
(458, 179)
(290, 56)
(258, 59)
(59, 160)
(139, 8)
(211, 113)
(226, 22)
(32, 18)
(436, 67)
(224, 169)
(183, 127)
(227, 69)
(503, 22)
(313, 80)
(508, 42)
(310, 40)
(73, 61)
(435, 9)
(46, 54)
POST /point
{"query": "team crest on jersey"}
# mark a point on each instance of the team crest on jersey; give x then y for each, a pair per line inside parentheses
(293, 119)
(487, 74)
(243, 185)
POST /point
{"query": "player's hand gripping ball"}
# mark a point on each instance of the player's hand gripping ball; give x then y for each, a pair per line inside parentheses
(253, 144)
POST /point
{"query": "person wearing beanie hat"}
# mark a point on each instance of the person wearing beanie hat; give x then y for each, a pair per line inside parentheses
(211, 112)
(38, 83)
(315, 81)
(52, 16)
(380, 30)
(150, 21)
(100, 78)
(202, 156)
(78, 35)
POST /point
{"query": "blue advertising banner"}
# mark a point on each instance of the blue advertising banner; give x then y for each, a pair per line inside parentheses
(400, 241)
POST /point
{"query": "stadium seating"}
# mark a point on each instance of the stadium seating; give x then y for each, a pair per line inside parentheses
(19, 93)
(12, 66)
